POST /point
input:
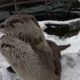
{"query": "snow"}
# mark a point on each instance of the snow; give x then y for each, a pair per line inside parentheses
(59, 22)
(70, 60)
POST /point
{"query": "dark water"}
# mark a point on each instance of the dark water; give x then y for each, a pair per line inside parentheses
(60, 16)
(60, 30)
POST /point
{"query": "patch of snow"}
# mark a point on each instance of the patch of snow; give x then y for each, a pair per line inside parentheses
(42, 25)
(59, 22)
(70, 66)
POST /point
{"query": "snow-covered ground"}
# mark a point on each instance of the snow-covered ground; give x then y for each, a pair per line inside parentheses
(71, 56)
(70, 60)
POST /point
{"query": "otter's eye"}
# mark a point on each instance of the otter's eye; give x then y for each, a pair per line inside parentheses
(2, 26)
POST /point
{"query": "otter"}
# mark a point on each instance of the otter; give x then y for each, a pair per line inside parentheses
(25, 48)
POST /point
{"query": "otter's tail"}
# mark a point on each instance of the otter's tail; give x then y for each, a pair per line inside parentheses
(62, 47)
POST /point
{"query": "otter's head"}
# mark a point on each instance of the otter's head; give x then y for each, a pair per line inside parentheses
(19, 26)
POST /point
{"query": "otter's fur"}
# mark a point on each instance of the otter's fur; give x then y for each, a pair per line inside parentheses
(26, 49)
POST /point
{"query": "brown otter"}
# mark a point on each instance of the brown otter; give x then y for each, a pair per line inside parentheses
(26, 49)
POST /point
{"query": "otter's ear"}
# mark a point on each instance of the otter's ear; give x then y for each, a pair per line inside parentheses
(10, 69)
(34, 20)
